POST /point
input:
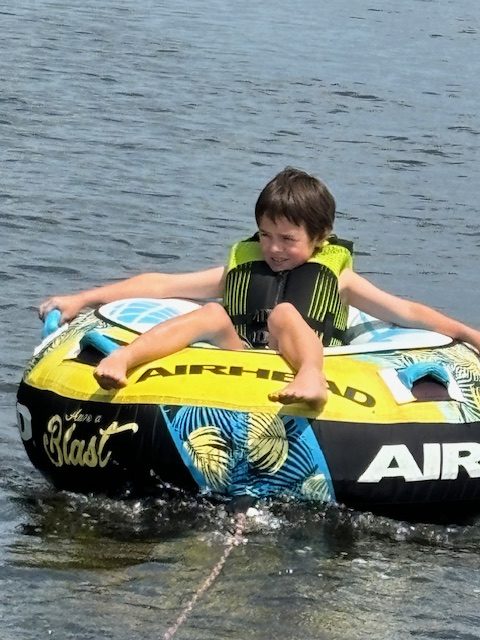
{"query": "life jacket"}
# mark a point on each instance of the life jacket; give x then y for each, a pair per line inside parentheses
(252, 290)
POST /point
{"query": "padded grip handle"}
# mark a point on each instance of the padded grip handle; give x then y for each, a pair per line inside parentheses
(51, 322)
(99, 342)
(414, 372)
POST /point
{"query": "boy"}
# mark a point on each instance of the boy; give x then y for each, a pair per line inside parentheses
(284, 288)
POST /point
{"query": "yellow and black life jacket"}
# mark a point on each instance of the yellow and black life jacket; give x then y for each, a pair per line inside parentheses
(252, 290)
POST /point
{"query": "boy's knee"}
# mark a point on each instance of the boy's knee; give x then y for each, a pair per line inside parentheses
(215, 313)
(281, 314)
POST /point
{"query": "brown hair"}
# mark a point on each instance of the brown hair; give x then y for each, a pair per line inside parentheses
(300, 198)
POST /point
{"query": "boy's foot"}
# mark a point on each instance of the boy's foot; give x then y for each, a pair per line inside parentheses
(309, 387)
(111, 372)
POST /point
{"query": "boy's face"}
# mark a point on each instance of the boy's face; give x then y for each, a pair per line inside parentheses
(285, 245)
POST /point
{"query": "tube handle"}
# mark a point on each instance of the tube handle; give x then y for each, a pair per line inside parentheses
(99, 342)
(51, 322)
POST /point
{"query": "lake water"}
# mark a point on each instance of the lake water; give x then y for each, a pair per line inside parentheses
(136, 136)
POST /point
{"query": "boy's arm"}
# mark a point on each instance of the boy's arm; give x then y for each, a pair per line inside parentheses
(196, 285)
(359, 292)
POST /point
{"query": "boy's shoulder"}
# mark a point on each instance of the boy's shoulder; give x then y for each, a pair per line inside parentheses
(246, 250)
(336, 253)
(335, 241)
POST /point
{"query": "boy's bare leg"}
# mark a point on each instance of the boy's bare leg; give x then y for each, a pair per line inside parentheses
(210, 323)
(303, 350)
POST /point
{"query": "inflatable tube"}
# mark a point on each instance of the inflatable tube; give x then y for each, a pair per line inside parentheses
(401, 428)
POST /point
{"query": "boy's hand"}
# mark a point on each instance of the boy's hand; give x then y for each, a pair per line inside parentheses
(69, 307)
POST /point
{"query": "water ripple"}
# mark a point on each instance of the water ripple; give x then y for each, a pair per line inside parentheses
(138, 135)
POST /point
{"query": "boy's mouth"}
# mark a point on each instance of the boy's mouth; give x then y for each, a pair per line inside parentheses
(278, 262)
